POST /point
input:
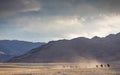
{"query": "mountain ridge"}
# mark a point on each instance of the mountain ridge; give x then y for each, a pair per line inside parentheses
(80, 49)
(12, 48)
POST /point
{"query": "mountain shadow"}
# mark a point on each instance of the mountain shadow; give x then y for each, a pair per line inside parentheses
(106, 49)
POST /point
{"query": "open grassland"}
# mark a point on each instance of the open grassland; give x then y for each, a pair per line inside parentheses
(54, 69)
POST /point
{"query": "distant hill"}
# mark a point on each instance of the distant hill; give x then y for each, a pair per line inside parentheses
(80, 49)
(12, 48)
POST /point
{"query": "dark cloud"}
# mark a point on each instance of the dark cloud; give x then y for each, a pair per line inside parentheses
(80, 7)
(59, 7)
(109, 6)
(11, 7)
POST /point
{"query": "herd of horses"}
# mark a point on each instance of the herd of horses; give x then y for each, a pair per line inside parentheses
(102, 66)
(97, 66)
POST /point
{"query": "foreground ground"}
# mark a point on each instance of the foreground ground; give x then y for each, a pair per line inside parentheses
(54, 69)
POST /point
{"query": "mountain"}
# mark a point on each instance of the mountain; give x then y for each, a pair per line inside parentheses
(12, 48)
(106, 49)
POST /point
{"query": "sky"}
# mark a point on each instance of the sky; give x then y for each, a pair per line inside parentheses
(47, 20)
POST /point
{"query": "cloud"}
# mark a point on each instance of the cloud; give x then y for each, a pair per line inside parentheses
(80, 7)
(55, 19)
(60, 7)
(68, 27)
(1, 53)
(11, 7)
(98, 26)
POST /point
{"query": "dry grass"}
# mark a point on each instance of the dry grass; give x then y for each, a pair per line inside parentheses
(18, 69)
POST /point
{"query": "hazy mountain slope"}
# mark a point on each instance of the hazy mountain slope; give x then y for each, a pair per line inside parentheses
(76, 50)
(9, 49)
